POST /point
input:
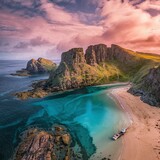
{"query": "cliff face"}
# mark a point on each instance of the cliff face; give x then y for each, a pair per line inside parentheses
(99, 65)
(96, 54)
(40, 65)
(149, 87)
(73, 71)
(96, 66)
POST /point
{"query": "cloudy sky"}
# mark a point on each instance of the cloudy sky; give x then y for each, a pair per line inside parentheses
(46, 28)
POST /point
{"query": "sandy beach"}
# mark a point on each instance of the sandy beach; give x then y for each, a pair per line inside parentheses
(142, 140)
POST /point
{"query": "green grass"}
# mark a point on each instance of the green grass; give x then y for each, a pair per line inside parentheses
(149, 56)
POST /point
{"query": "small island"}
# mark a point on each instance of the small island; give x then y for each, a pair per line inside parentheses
(39, 66)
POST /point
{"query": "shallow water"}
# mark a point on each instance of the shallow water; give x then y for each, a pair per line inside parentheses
(89, 113)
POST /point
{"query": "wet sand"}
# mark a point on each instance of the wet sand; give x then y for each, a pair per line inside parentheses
(142, 140)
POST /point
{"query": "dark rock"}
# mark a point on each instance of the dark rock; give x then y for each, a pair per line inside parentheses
(149, 87)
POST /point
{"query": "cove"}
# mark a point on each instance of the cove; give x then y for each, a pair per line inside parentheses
(90, 114)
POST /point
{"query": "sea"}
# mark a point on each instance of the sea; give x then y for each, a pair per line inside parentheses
(90, 114)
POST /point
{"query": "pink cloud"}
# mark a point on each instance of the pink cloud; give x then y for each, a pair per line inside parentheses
(114, 22)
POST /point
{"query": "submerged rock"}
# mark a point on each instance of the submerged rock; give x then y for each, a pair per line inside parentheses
(38, 144)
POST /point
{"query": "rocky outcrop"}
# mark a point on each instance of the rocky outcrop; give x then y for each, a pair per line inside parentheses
(99, 65)
(38, 144)
(73, 71)
(40, 65)
(149, 87)
(96, 54)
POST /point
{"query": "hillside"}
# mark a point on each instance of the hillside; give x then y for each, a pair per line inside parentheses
(98, 65)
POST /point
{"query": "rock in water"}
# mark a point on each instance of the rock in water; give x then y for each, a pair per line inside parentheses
(38, 144)
(40, 65)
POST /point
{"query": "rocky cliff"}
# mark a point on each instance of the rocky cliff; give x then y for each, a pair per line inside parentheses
(73, 71)
(98, 65)
(41, 65)
(149, 87)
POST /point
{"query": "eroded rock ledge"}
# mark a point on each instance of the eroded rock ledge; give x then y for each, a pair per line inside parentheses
(38, 144)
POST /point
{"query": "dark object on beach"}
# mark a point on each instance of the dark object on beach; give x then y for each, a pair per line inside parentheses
(118, 135)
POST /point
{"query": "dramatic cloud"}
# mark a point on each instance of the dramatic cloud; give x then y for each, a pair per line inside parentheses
(32, 27)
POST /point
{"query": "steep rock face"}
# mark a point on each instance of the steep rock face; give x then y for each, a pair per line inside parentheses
(122, 55)
(73, 57)
(96, 54)
(73, 72)
(40, 65)
(149, 87)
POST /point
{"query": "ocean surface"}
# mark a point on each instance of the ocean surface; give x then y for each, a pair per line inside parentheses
(90, 114)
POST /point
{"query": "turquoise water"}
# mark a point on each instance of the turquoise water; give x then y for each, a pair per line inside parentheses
(95, 112)
(91, 116)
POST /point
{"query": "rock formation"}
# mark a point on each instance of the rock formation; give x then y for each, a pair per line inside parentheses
(73, 71)
(99, 65)
(149, 87)
(96, 54)
(38, 144)
(40, 65)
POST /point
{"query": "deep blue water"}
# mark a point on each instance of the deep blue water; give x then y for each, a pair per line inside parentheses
(89, 113)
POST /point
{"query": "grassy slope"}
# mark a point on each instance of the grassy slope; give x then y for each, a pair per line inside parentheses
(133, 69)
(147, 61)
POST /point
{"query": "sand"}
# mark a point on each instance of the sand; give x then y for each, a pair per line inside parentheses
(142, 140)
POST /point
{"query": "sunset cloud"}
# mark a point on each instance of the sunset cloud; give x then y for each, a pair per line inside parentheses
(46, 26)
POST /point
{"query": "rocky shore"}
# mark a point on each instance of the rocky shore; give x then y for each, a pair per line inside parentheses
(38, 144)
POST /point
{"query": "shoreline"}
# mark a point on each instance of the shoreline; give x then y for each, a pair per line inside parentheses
(142, 140)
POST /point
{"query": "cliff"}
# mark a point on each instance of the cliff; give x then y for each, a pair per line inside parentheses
(41, 65)
(98, 65)
(148, 87)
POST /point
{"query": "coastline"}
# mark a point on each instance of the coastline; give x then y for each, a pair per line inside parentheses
(142, 140)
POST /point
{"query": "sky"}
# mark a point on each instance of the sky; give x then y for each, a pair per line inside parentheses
(46, 28)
